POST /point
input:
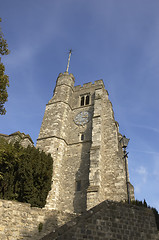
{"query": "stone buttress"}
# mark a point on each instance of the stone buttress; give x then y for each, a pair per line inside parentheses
(80, 132)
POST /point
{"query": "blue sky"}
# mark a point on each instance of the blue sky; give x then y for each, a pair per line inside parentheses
(113, 40)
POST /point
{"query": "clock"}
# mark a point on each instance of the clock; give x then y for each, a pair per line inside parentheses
(82, 118)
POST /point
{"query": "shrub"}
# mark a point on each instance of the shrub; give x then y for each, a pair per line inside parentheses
(40, 227)
(25, 174)
(144, 204)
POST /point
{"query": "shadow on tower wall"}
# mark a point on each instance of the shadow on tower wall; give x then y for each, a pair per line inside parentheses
(82, 174)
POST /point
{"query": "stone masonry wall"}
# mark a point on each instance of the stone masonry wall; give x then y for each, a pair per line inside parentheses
(53, 133)
(94, 163)
(112, 167)
(110, 221)
(107, 177)
(20, 221)
(24, 139)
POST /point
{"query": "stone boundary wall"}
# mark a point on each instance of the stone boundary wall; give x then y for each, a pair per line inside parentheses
(20, 221)
(106, 221)
(110, 221)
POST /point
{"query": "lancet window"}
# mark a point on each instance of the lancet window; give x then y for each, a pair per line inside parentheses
(85, 100)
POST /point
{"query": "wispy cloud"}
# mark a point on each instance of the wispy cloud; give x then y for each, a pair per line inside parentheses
(138, 188)
(20, 56)
(156, 167)
(143, 151)
(142, 171)
(145, 127)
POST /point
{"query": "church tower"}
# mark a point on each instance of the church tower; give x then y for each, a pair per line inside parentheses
(80, 132)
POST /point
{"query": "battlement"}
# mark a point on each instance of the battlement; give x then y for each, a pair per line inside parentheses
(66, 74)
(97, 83)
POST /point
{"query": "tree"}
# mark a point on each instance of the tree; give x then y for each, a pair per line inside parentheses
(25, 173)
(4, 80)
(8, 162)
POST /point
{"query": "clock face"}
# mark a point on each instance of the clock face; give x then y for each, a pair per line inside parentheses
(82, 118)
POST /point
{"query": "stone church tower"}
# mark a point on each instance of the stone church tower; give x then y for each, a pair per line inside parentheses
(80, 132)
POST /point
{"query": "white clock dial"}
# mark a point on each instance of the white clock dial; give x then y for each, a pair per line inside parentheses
(82, 118)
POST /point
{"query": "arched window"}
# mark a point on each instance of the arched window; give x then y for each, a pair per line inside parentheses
(82, 101)
(87, 99)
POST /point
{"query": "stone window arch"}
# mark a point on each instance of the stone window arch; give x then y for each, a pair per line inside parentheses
(85, 100)
(82, 101)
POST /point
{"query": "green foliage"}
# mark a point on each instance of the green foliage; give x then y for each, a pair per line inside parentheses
(4, 80)
(144, 204)
(40, 227)
(25, 174)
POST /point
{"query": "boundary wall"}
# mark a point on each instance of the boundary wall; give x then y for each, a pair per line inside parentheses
(20, 221)
(110, 221)
(107, 221)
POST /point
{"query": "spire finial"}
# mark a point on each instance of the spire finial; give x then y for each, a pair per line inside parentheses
(70, 52)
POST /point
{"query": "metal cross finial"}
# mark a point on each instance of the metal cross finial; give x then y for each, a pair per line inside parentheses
(70, 52)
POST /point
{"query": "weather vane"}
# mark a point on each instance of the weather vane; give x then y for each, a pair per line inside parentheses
(70, 52)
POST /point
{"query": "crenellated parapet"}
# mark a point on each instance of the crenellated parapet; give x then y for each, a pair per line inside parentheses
(97, 83)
